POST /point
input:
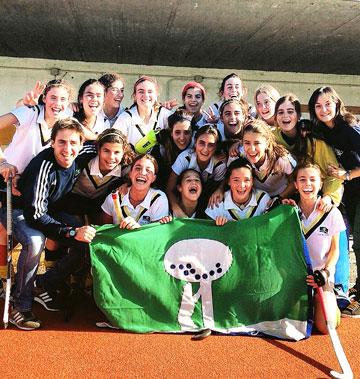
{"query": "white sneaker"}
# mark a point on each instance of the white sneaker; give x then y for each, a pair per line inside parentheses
(104, 324)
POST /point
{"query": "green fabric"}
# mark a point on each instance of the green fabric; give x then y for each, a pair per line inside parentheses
(265, 282)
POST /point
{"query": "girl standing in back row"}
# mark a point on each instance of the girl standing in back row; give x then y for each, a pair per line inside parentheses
(340, 129)
(145, 117)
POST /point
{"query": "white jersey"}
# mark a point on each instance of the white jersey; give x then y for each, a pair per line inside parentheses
(100, 124)
(201, 122)
(215, 169)
(318, 229)
(111, 121)
(273, 182)
(153, 207)
(32, 136)
(256, 206)
(134, 128)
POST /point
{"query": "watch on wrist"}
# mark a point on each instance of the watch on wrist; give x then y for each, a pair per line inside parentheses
(72, 232)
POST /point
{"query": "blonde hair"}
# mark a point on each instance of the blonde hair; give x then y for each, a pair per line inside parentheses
(273, 150)
(269, 90)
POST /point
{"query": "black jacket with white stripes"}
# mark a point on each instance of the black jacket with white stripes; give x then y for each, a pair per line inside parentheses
(44, 183)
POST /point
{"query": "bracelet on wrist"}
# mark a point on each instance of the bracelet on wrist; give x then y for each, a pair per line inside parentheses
(347, 175)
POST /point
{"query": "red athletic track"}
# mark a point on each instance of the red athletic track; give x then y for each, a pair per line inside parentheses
(79, 350)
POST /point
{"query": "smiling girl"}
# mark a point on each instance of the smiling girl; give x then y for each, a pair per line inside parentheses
(114, 94)
(241, 201)
(201, 158)
(91, 102)
(103, 173)
(231, 87)
(189, 187)
(292, 133)
(340, 129)
(34, 124)
(233, 114)
(141, 204)
(145, 116)
(173, 141)
(321, 230)
(193, 96)
(265, 98)
(271, 162)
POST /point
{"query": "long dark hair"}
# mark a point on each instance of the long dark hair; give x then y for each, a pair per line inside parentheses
(303, 129)
(171, 151)
(80, 115)
(342, 115)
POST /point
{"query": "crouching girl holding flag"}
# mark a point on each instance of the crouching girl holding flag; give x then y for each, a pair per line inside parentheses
(141, 204)
(321, 230)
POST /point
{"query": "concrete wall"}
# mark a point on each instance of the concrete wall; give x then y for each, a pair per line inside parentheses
(17, 75)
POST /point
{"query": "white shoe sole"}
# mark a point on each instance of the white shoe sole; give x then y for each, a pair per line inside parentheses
(105, 325)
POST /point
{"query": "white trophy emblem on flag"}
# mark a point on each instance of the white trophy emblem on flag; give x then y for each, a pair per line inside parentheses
(197, 260)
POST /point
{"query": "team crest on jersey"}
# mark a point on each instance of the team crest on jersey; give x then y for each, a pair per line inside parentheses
(146, 218)
(338, 152)
(324, 230)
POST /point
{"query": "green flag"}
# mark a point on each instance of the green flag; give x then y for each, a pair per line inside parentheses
(187, 275)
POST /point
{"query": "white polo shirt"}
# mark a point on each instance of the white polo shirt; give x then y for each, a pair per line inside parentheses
(318, 229)
(32, 135)
(215, 170)
(153, 207)
(100, 124)
(111, 121)
(256, 206)
(134, 128)
(91, 183)
(273, 182)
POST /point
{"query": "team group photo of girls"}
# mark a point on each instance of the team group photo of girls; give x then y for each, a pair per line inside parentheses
(85, 159)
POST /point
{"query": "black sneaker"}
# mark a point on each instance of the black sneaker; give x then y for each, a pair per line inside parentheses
(46, 299)
(352, 310)
(24, 320)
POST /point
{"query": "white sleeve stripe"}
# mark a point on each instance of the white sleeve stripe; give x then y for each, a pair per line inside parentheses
(41, 185)
(88, 149)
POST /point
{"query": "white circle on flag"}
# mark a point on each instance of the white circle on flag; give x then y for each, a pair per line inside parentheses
(198, 260)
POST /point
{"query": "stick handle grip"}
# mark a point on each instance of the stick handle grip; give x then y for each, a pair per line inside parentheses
(115, 197)
(9, 206)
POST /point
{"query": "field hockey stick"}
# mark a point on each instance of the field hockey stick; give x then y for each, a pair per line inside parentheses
(339, 351)
(9, 247)
(115, 197)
